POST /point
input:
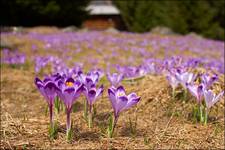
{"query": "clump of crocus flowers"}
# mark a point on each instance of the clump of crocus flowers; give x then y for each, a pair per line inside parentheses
(68, 89)
(202, 91)
(205, 97)
(91, 92)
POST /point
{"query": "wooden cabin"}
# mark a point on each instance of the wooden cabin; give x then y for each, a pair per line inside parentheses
(103, 15)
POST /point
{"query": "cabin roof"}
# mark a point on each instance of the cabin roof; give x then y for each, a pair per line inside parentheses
(102, 8)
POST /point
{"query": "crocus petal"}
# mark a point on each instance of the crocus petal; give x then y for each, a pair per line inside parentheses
(82, 77)
(57, 78)
(85, 91)
(94, 77)
(50, 90)
(80, 89)
(209, 95)
(112, 98)
(91, 96)
(41, 89)
(217, 98)
(121, 103)
(193, 90)
(184, 78)
(68, 96)
(38, 83)
(46, 79)
(210, 80)
(120, 91)
(132, 100)
(211, 98)
(132, 96)
(172, 80)
(59, 83)
(99, 91)
(70, 80)
(88, 80)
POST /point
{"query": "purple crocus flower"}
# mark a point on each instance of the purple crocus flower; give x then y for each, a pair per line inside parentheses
(208, 80)
(90, 78)
(92, 93)
(172, 80)
(211, 98)
(115, 78)
(68, 92)
(99, 72)
(47, 88)
(196, 91)
(185, 78)
(120, 101)
(93, 77)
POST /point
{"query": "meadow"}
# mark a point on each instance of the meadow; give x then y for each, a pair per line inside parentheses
(178, 82)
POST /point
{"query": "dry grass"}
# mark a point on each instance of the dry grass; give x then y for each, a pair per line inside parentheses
(162, 123)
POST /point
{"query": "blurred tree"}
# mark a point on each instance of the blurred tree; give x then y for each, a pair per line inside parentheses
(183, 16)
(43, 12)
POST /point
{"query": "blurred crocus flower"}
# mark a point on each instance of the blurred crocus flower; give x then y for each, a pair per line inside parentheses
(13, 58)
(115, 78)
(196, 91)
(211, 98)
(99, 72)
(142, 71)
(93, 77)
(208, 80)
(89, 78)
(120, 101)
(69, 91)
(172, 80)
(47, 88)
(185, 78)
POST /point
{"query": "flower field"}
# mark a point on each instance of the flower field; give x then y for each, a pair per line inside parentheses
(111, 90)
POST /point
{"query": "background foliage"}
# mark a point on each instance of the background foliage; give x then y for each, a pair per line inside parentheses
(205, 17)
(43, 12)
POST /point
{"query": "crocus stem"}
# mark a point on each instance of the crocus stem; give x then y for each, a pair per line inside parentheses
(195, 113)
(114, 125)
(57, 104)
(201, 113)
(185, 94)
(85, 109)
(51, 115)
(52, 130)
(90, 117)
(206, 116)
(173, 93)
(68, 124)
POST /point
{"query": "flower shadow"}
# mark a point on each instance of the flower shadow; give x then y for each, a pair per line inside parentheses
(101, 119)
(127, 131)
(89, 135)
(77, 107)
